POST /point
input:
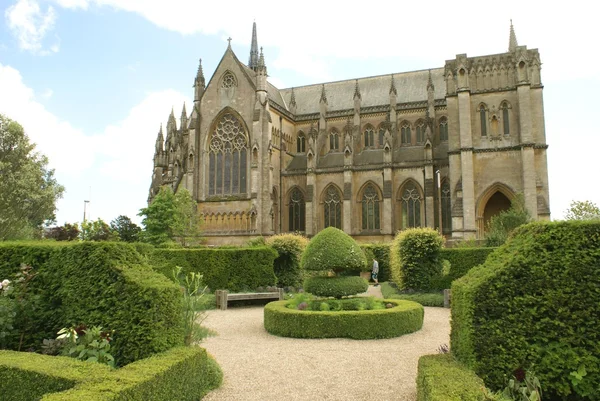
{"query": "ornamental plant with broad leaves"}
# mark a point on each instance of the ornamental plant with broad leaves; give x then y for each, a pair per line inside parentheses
(87, 344)
(7, 312)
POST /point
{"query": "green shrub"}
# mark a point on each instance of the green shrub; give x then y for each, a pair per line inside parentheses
(287, 265)
(97, 284)
(426, 299)
(461, 261)
(236, 269)
(443, 378)
(380, 252)
(534, 302)
(403, 318)
(333, 249)
(336, 287)
(182, 373)
(414, 257)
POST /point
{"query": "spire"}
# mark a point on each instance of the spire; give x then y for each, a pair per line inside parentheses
(512, 42)
(430, 82)
(357, 91)
(261, 59)
(253, 61)
(183, 112)
(393, 88)
(160, 140)
(200, 75)
(323, 95)
(183, 118)
(171, 124)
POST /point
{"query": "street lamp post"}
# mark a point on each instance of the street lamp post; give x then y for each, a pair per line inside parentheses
(85, 203)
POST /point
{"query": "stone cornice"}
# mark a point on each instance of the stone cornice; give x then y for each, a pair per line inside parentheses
(502, 149)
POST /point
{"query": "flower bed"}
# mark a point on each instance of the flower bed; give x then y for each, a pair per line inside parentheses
(402, 318)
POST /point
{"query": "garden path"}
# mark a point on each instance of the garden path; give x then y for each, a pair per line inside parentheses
(259, 366)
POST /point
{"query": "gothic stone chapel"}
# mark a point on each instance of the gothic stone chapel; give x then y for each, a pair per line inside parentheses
(446, 148)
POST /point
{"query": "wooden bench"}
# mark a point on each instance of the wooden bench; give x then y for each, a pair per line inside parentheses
(223, 296)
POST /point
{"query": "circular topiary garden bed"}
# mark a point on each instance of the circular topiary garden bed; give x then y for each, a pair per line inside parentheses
(399, 317)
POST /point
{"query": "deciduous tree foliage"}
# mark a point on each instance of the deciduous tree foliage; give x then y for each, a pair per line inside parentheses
(504, 223)
(28, 189)
(127, 230)
(582, 210)
(96, 231)
(68, 232)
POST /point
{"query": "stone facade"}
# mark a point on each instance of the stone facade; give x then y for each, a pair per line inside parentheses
(447, 148)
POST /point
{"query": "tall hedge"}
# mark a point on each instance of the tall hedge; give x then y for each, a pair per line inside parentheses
(234, 269)
(442, 378)
(461, 261)
(534, 303)
(415, 258)
(96, 283)
(380, 252)
(287, 265)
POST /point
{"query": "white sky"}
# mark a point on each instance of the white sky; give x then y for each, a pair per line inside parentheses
(306, 42)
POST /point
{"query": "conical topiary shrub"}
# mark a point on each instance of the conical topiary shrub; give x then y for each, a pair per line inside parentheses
(334, 250)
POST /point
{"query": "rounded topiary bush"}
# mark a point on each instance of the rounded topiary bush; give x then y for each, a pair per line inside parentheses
(333, 249)
(415, 258)
(534, 303)
(287, 265)
(336, 287)
(401, 318)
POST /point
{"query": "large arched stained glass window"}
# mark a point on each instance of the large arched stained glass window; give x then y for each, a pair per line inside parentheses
(370, 209)
(227, 157)
(411, 206)
(297, 211)
(332, 204)
(405, 134)
(446, 208)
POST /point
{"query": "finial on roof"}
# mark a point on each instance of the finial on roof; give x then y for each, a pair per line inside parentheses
(229, 42)
(261, 59)
(323, 95)
(430, 82)
(160, 132)
(357, 91)
(393, 87)
(184, 112)
(199, 80)
(293, 99)
(512, 42)
(172, 113)
(253, 61)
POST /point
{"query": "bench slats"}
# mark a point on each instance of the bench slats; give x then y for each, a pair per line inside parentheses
(223, 296)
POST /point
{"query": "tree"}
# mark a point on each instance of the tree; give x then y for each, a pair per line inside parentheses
(502, 224)
(28, 189)
(171, 217)
(126, 229)
(582, 210)
(68, 232)
(96, 231)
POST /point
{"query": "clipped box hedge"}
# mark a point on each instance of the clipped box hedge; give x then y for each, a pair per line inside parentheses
(236, 269)
(336, 287)
(182, 373)
(96, 283)
(534, 303)
(442, 378)
(403, 318)
(461, 261)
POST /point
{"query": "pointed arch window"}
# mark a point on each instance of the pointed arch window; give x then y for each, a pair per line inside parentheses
(334, 141)
(227, 157)
(420, 132)
(411, 206)
(369, 135)
(446, 208)
(332, 205)
(381, 136)
(301, 143)
(483, 120)
(370, 209)
(405, 134)
(297, 211)
(505, 118)
(443, 129)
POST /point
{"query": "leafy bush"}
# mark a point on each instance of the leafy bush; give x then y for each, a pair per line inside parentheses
(87, 344)
(535, 302)
(380, 252)
(425, 299)
(182, 373)
(237, 269)
(336, 287)
(461, 261)
(443, 378)
(403, 318)
(504, 223)
(414, 257)
(333, 249)
(287, 265)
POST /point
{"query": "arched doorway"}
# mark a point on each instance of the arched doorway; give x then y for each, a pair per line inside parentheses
(495, 199)
(497, 203)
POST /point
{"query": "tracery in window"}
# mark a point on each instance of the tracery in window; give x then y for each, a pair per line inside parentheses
(369, 137)
(370, 209)
(228, 81)
(446, 208)
(483, 119)
(411, 206)
(420, 132)
(334, 141)
(443, 129)
(332, 205)
(505, 118)
(300, 143)
(405, 134)
(227, 157)
(297, 211)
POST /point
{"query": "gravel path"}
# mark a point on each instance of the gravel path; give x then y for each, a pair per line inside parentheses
(259, 366)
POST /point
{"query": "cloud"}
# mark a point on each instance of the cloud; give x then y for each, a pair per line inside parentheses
(29, 25)
(47, 93)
